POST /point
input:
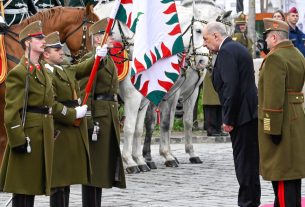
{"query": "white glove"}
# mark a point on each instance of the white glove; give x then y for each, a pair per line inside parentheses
(101, 51)
(2, 20)
(81, 111)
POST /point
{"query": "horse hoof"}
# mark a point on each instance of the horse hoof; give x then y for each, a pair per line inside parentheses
(171, 163)
(152, 165)
(195, 160)
(132, 170)
(144, 168)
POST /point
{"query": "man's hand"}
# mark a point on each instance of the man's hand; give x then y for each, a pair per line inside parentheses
(81, 111)
(227, 128)
(20, 149)
(101, 51)
(276, 139)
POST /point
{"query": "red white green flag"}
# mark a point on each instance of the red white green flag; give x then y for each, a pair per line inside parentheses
(157, 41)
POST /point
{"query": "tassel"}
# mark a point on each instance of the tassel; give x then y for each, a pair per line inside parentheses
(158, 116)
(28, 147)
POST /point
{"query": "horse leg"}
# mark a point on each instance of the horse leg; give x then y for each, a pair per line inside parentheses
(150, 120)
(136, 148)
(132, 103)
(167, 114)
(188, 125)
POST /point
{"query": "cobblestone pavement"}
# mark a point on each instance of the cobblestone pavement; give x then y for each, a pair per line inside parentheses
(210, 184)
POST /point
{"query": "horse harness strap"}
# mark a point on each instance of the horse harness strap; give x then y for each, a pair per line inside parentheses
(12, 58)
(83, 48)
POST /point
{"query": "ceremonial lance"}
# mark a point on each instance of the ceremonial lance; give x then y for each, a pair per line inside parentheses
(98, 58)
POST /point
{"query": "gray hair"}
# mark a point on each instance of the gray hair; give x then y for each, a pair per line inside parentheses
(281, 34)
(218, 27)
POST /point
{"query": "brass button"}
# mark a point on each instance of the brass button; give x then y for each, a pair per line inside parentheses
(297, 97)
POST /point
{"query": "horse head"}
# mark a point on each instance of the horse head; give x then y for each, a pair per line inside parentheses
(205, 12)
(80, 43)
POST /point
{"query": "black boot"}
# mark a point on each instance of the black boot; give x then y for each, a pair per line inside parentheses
(67, 196)
(57, 198)
(91, 196)
(98, 196)
(21, 200)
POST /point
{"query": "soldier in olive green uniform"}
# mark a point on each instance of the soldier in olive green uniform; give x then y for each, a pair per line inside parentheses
(71, 163)
(17, 10)
(27, 164)
(240, 33)
(47, 4)
(211, 107)
(106, 161)
(281, 115)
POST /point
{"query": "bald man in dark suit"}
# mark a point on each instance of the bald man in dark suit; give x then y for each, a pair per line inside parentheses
(233, 79)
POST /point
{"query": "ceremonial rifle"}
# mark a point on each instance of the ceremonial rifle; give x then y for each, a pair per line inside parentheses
(98, 58)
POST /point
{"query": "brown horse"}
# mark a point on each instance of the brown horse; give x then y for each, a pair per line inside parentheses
(71, 23)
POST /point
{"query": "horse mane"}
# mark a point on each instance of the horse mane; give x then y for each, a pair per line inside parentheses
(50, 13)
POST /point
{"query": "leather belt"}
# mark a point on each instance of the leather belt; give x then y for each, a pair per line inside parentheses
(70, 103)
(106, 97)
(39, 109)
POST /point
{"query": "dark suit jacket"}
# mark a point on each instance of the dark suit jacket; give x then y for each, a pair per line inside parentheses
(233, 79)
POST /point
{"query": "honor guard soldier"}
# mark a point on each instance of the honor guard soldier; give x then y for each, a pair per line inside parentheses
(71, 163)
(47, 4)
(240, 33)
(104, 127)
(15, 11)
(27, 164)
(281, 125)
(295, 34)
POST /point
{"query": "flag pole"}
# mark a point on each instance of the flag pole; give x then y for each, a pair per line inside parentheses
(98, 58)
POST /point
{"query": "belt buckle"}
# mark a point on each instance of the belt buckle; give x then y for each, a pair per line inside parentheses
(50, 110)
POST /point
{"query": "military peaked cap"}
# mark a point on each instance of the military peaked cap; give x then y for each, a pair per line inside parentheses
(275, 25)
(241, 19)
(52, 40)
(98, 27)
(32, 30)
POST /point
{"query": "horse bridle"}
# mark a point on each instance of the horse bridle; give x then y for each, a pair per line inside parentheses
(83, 49)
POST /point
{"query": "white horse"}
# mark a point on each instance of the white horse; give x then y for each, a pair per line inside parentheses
(203, 12)
(133, 100)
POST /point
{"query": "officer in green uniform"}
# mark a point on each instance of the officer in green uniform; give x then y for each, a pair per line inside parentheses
(71, 163)
(27, 164)
(47, 4)
(103, 122)
(240, 33)
(17, 10)
(281, 115)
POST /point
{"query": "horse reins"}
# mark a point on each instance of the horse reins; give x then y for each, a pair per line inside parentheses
(83, 49)
(12, 35)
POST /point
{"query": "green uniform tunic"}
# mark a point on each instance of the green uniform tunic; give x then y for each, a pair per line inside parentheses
(28, 173)
(71, 163)
(209, 96)
(244, 40)
(106, 161)
(280, 112)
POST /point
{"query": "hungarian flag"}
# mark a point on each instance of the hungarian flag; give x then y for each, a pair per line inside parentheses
(157, 41)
